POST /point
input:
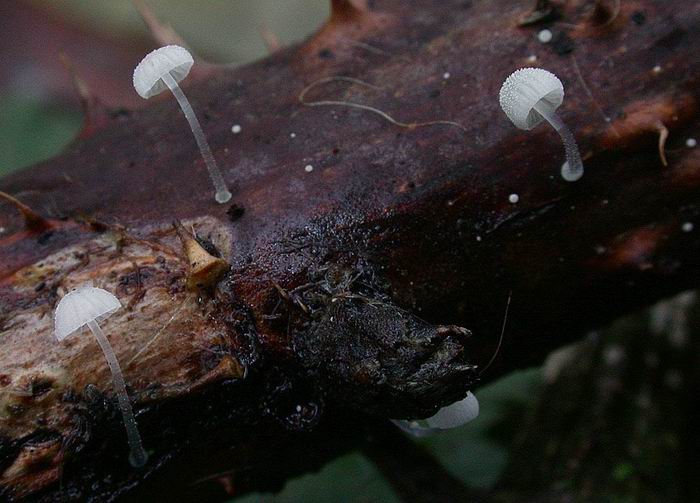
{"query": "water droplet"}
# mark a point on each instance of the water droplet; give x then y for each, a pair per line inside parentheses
(545, 36)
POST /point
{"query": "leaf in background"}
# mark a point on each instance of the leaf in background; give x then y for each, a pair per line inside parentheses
(475, 453)
(31, 131)
(478, 451)
(350, 479)
(33, 36)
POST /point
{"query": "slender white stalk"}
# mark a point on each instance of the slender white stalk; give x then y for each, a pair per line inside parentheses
(572, 169)
(138, 456)
(222, 193)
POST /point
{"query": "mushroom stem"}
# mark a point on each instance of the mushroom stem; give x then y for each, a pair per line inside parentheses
(222, 193)
(138, 456)
(572, 169)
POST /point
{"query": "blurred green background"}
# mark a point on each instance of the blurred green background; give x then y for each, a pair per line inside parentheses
(40, 114)
(104, 39)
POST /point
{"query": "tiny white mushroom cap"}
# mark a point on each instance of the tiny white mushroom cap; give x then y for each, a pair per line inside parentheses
(526, 88)
(148, 73)
(456, 414)
(81, 306)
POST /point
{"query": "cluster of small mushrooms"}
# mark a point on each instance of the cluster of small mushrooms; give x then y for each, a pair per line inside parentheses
(528, 97)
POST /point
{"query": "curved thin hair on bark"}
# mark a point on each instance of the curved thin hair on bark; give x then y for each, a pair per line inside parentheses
(155, 337)
(600, 110)
(359, 106)
(367, 47)
(500, 339)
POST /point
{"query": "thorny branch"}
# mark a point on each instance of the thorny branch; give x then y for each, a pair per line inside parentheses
(337, 293)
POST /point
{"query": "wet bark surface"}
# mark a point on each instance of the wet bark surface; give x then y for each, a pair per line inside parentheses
(349, 280)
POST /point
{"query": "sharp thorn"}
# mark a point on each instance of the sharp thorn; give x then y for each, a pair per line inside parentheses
(32, 220)
(205, 269)
(95, 113)
(663, 136)
(162, 33)
(604, 14)
(347, 10)
(272, 43)
(542, 12)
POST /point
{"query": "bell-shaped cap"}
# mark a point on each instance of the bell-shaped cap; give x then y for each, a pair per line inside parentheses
(149, 72)
(526, 88)
(456, 414)
(81, 306)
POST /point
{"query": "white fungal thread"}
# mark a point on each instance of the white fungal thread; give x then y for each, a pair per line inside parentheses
(367, 108)
(500, 338)
(158, 333)
(579, 74)
(164, 68)
(530, 96)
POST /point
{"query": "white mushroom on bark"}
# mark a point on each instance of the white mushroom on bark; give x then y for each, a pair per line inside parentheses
(86, 306)
(530, 96)
(162, 69)
(451, 416)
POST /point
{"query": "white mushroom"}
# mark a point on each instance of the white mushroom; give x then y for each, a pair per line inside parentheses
(532, 95)
(456, 414)
(163, 69)
(451, 416)
(88, 305)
